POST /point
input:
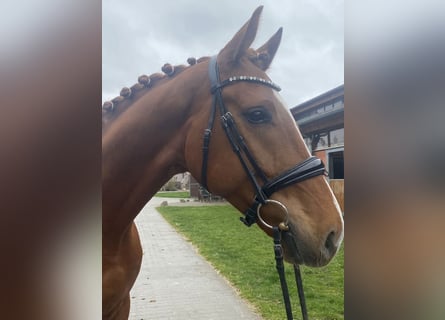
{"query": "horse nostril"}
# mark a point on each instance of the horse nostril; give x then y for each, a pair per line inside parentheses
(330, 243)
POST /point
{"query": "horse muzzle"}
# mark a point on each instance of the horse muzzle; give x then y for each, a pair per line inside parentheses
(300, 247)
(297, 249)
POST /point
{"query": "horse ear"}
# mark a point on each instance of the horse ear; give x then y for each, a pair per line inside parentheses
(242, 40)
(266, 52)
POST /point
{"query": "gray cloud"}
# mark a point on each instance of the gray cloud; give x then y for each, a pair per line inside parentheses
(140, 36)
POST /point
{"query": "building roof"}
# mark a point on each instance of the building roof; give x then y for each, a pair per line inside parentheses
(324, 112)
(318, 100)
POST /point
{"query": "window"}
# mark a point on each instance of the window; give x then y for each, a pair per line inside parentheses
(321, 141)
(336, 165)
(329, 139)
(338, 104)
(337, 137)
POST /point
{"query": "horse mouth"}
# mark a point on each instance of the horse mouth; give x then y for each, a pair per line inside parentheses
(295, 252)
(290, 248)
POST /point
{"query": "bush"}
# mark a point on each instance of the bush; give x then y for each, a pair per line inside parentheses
(170, 186)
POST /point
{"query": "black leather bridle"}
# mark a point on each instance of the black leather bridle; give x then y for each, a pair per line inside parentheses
(309, 168)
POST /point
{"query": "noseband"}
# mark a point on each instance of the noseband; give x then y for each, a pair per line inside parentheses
(309, 168)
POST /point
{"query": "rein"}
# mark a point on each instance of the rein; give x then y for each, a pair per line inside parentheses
(278, 250)
(309, 168)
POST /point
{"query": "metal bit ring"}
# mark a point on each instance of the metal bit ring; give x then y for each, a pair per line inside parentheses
(284, 226)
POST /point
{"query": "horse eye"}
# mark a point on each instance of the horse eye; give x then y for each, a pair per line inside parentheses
(258, 115)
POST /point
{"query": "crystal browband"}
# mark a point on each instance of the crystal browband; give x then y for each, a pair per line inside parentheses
(232, 80)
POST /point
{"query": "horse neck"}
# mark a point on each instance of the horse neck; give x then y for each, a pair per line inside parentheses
(122, 104)
(144, 147)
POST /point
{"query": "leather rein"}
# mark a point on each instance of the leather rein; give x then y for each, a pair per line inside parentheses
(309, 168)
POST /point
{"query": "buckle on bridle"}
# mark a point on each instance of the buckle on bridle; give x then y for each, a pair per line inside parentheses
(249, 218)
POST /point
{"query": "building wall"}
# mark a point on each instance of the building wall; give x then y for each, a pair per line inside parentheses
(321, 122)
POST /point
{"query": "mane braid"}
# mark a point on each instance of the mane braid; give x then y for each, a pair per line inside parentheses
(113, 108)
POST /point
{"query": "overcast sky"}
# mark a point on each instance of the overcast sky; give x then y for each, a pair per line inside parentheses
(139, 36)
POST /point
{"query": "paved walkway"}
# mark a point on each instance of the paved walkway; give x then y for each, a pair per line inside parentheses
(177, 283)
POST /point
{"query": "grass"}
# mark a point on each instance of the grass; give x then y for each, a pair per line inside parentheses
(245, 257)
(173, 194)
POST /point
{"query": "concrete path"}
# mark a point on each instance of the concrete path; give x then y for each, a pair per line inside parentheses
(177, 283)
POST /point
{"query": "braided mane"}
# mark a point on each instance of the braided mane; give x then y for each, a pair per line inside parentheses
(113, 108)
(116, 106)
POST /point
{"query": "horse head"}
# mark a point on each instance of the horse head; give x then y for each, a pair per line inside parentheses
(256, 146)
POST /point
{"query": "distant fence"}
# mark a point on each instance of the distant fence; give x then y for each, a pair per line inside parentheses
(338, 187)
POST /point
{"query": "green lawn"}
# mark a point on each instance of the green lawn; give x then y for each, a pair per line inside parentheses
(173, 194)
(245, 257)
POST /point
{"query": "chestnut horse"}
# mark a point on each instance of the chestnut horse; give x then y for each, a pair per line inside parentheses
(155, 130)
